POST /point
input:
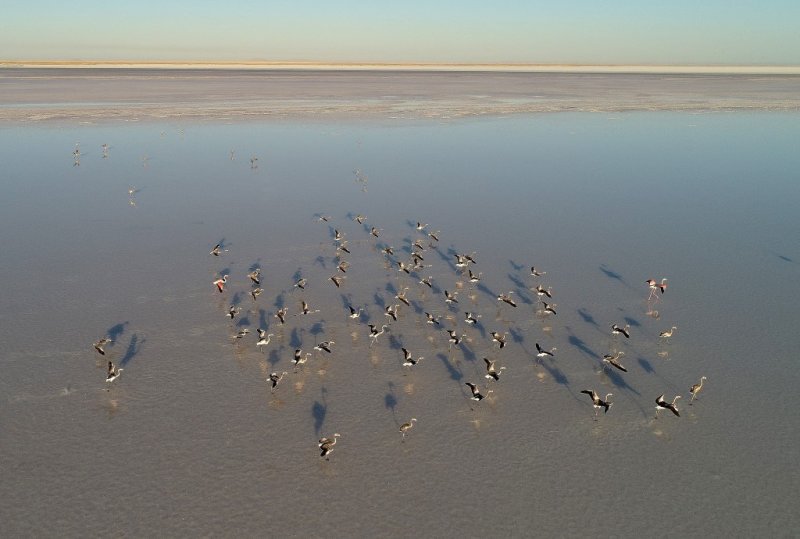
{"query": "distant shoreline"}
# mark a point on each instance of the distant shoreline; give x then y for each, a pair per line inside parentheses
(363, 66)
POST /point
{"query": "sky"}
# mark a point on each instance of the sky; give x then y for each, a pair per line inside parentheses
(680, 32)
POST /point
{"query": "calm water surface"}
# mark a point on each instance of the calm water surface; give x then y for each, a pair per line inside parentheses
(191, 441)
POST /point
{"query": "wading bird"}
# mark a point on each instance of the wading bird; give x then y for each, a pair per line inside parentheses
(326, 445)
(541, 352)
(275, 378)
(220, 283)
(263, 338)
(507, 299)
(661, 404)
(408, 359)
(113, 372)
(597, 402)
(492, 372)
(613, 360)
(696, 388)
(617, 330)
(100, 345)
(405, 427)
(324, 346)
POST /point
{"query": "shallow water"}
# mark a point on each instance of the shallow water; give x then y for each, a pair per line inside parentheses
(191, 441)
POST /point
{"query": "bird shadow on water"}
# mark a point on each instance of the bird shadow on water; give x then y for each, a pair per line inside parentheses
(455, 374)
(555, 373)
(115, 331)
(578, 343)
(133, 349)
(274, 357)
(318, 412)
(394, 342)
(632, 322)
(613, 275)
(646, 365)
(517, 281)
(517, 267)
(390, 401)
(588, 318)
(295, 341)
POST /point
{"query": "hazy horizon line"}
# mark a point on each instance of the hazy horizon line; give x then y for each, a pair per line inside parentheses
(421, 66)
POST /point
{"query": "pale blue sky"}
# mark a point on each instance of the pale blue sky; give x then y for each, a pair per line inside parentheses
(534, 31)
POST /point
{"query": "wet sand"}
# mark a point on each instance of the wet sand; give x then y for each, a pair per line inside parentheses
(190, 440)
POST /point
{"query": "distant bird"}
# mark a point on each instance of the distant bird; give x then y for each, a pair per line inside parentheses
(499, 338)
(100, 345)
(220, 283)
(255, 275)
(405, 427)
(421, 226)
(655, 286)
(301, 283)
(338, 279)
(280, 314)
(305, 309)
(426, 281)
(241, 333)
(549, 307)
(374, 332)
(434, 235)
(617, 330)
(401, 295)
(256, 292)
(462, 261)
(402, 266)
(541, 352)
(507, 299)
(275, 378)
(418, 245)
(323, 218)
(388, 251)
(375, 232)
(300, 357)
(324, 346)
(233, 311)
(326, 445)
(342, 266)
(470, 318)
(342, 247)
(474, 279)
(218, 250)
(431, 319)
(360, 219)
(337, 236)
(668, 333)
(696, 388)
(476, 393)
(354, 313)
(537, 273)
(454, 339)
(661, 404)
(263, 338)
(391, 311)
(613, 360)
(542, 291)
(450, 297)
(113, 372)
(597, 402)
(408, 359)
(492, 372)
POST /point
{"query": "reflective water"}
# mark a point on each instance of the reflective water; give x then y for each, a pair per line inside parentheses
(190, 440)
